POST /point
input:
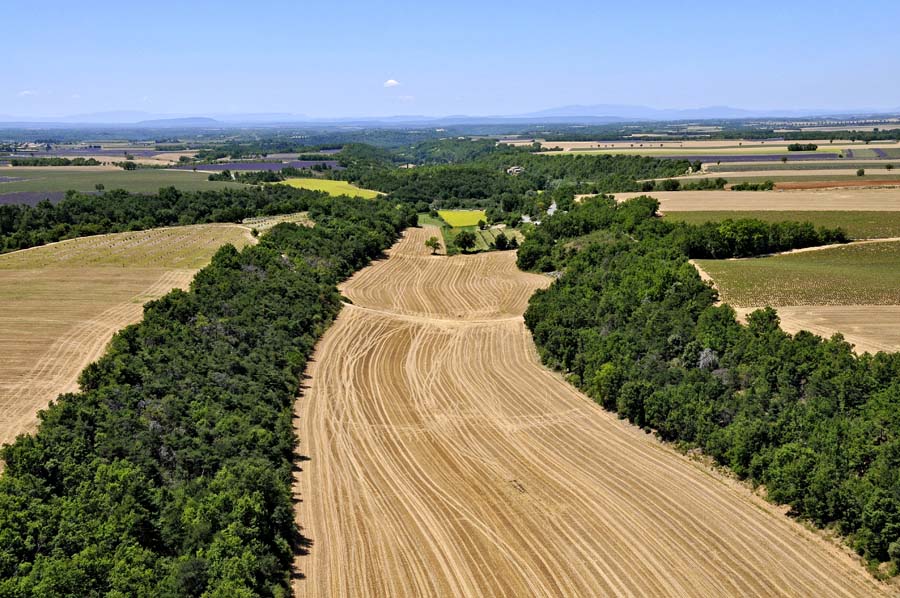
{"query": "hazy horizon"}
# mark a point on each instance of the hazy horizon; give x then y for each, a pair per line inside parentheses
(479, 59)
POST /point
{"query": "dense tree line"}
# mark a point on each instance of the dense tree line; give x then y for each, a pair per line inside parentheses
(258, 177)
(53, 162)
(632, 325)
(748, 186)
(802, 147)
(559, 238)
(169, 474)
(80, 214)
(705, 184)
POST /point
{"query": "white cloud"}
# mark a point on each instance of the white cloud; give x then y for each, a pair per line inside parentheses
(391, 83)
(26, 92)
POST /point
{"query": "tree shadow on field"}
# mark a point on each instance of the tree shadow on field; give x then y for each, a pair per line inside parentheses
(300, 543)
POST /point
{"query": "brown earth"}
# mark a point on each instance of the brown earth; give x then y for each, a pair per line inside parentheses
(873, 184)
(441, 459)
(61, 304)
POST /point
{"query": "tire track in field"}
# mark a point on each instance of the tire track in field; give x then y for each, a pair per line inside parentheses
(444, 460)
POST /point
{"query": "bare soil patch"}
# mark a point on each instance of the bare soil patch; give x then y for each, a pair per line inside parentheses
(861, 182)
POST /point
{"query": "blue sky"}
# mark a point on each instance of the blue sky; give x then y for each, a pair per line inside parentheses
(327, 59)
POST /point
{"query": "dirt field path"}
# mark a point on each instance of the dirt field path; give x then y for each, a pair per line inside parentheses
(444, 460)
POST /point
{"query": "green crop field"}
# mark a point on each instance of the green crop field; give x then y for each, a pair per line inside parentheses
(332, 187)
(861, 274)
(858, 225)
(483, 238)
(461, 218)
(145, 180)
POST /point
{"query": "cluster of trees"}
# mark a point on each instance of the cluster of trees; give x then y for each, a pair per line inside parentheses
(632, 325)
(80, 214)
(466, 173)
(276, 144)
(748, 237)
(53, 162)
(748, 186)
(549, 247)
(706, 184)
(447, 151)
(802, 147)
(169, 473)
(258, 177)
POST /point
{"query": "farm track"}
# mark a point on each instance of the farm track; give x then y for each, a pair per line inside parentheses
(441, 459)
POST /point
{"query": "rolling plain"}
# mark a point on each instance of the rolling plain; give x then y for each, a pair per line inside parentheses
(440, 458)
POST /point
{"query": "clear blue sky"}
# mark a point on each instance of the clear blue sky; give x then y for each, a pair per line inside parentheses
(333, 58)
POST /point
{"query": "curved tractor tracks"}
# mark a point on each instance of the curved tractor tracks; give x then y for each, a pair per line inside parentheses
(441, 459)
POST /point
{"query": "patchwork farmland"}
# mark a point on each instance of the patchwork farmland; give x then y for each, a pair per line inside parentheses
(63, 302)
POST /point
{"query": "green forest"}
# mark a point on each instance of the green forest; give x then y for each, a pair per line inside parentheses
(169, 473)
(631, 324)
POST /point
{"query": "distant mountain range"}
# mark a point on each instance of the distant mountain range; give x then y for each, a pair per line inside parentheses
(573, 114)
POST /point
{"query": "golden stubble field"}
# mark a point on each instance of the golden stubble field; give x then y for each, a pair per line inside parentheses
(826, 199)
(61, 304)
(439, 458)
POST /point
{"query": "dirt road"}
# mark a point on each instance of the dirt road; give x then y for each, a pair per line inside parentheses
(444, 460)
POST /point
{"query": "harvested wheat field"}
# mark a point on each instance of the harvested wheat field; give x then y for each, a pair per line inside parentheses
(439, 458)
(869, 328)
(63, 302)
(842, 199)
(851, 289)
